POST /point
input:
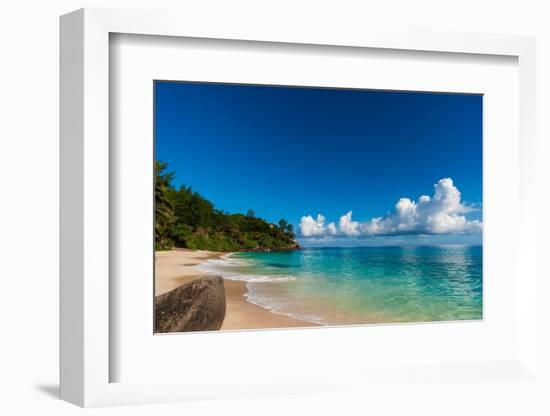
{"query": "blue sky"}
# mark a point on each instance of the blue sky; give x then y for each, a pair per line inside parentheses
(289, 152)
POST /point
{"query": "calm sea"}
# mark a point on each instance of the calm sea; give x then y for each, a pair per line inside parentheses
(358, 285)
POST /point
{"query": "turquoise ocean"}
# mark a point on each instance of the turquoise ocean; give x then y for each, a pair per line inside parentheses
(362, 285)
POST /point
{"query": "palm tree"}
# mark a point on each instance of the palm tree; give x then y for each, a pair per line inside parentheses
(164, 209)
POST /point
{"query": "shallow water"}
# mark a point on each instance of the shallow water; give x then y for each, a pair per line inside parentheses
(359, 285)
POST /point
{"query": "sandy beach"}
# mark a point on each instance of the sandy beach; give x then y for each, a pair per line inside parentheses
(174, 268)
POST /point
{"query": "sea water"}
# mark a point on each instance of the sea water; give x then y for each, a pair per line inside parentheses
(361, 285)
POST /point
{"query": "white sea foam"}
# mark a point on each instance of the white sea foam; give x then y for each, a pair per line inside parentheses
(279, 307)
(227, 266)
(223, 267)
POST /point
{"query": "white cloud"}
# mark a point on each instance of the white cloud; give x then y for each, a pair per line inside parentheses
(310, 227)
(444, 213)
(348, 226)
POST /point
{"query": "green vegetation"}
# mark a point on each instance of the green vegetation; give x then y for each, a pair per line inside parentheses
(184, 219)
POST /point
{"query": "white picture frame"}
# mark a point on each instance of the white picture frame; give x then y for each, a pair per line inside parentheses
(86, 355)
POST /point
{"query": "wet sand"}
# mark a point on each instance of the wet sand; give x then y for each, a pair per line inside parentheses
(174, 268)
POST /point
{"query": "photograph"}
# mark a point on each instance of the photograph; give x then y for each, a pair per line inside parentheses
(279, 206)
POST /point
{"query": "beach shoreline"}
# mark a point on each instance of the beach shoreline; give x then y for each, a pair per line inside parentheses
(177, 267)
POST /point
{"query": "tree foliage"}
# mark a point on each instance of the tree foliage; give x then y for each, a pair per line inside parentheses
(184, 218)
(164, 208)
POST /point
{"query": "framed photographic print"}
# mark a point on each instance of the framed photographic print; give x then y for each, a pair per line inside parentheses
(355, 213)
(321, 198)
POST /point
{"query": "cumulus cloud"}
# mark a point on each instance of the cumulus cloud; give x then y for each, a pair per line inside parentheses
(331, 229)
(310, 227)
(348, 226)
(443, 213)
